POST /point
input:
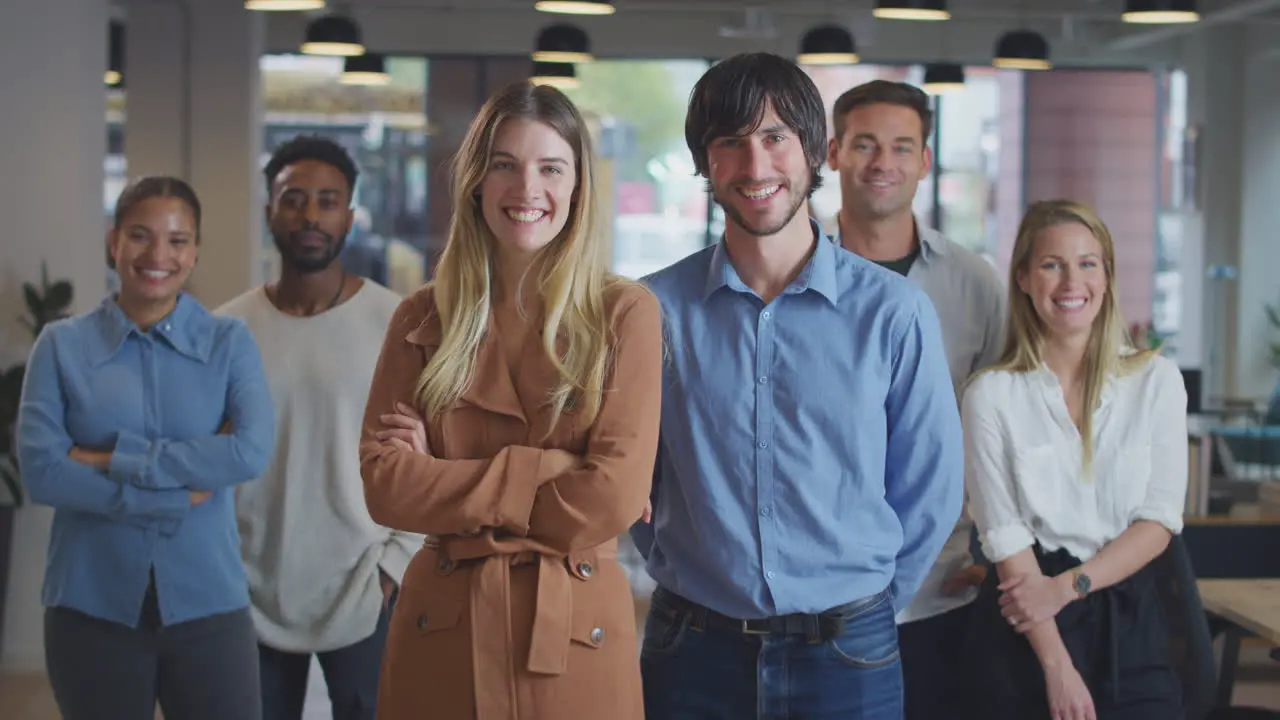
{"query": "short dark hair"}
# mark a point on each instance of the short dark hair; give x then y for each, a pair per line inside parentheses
(153, 186)
(889, 93)
(729, 101)
(311, 147)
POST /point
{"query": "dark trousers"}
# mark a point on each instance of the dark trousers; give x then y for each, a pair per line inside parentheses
(1117, 638)
(204, 669)
(351, 674)
(694, 671)
(933, 651)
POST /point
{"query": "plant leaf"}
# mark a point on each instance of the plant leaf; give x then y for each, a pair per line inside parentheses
(57, 299)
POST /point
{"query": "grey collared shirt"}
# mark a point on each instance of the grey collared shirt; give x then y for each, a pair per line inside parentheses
(971, 303)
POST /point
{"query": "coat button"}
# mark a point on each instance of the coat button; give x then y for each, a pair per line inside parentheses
(422, 623)
(446, 566)
(597, 636)
(585, 569)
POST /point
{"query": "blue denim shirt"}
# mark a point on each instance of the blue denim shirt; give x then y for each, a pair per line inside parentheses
(157, 399)
(811, 451)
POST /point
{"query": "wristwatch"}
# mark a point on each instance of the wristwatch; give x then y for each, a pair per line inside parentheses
(1081, 584)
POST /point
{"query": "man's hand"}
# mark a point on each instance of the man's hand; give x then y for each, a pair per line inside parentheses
(972, 576)
(94, 458)
(388, 587)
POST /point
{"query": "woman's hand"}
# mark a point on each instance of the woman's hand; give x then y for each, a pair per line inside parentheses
(1029, 600)
(405, 430)
(1069, 697)
(93, 458)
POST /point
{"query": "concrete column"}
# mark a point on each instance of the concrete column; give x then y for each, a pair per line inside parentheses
(53, 144)
(195, 110)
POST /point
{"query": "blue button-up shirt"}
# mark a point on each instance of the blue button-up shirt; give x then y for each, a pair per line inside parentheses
(156, 399)
(811, 451)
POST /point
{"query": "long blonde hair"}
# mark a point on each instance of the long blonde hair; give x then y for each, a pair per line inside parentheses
(571, 283)
(1110, 350)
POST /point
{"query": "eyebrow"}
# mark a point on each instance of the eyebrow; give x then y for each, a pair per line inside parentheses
(551, 159)
(868, 136)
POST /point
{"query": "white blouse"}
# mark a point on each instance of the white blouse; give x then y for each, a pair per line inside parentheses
(1024, 467)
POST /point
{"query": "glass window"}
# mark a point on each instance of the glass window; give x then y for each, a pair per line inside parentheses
(385, 130)
(646, 178)
(967, 160)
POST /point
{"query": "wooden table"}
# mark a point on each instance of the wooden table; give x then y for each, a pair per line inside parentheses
(1251, 606)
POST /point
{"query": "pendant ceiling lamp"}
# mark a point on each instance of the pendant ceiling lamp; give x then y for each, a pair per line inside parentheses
(114, 76)
(562, 43)
(827, 45)
(283, 5)
(912, 10)
(555, 74)
(575, 7)
(1022, 50)
(367, 69)
(333, 35)
(1164, 12)
(941, 78)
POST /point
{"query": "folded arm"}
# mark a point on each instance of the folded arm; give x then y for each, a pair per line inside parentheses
(215, 461)
(53, 478)
(601, 497)
(924, 481)
(419, 493)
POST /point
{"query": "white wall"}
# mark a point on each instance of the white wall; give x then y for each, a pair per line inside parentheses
(51, 149)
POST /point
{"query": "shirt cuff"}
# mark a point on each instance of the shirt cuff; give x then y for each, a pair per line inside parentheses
(131, 459)
(1172, 521)
(395, 558)
(1002, 543)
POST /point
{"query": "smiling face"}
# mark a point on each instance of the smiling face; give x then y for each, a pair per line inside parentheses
(761, 179)
(154, 250)
(881, 158)
(527, 192)
(1065, 278)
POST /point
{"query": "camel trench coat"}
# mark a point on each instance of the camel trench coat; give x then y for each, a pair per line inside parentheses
(516, 608)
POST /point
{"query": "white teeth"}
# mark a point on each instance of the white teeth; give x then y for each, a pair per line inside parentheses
(526, 216)
(1070, 304)
(156, 274)
(761, 193)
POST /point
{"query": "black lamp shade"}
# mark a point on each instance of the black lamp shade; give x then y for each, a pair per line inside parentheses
(941, 77)
(114, 76)
(1022, 50)
(562, 43)
(367, 69)
(827, 45)
(912, 10)
(575, 7)
(556, 74)
(1160, 11)
(333, 35)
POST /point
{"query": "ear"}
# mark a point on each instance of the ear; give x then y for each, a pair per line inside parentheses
(833, 154)
(1021, 277)
(928, 160)
(112, 243)
(350, 220)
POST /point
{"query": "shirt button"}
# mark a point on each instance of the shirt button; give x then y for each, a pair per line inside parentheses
(766, 315)
(763, 379)
(763, 444)
(597, 636)
(769, 574)
(765, 511)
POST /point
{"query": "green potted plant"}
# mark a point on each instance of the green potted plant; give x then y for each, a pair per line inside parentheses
(45, 303)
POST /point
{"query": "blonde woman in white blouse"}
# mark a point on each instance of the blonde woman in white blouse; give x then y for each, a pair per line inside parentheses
(1076, 470)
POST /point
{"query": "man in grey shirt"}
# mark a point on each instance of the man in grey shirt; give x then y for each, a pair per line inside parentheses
(881, 151)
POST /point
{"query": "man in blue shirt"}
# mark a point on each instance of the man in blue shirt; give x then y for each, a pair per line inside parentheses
(810, 467)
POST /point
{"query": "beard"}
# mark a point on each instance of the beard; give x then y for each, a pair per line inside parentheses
(305, 260)
(764, 227)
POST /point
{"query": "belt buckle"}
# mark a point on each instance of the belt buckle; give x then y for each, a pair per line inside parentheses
(748, 630)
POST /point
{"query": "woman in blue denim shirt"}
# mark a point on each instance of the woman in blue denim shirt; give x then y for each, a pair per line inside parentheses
(137, 420)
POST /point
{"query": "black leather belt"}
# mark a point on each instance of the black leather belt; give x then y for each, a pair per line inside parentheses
(817, 628)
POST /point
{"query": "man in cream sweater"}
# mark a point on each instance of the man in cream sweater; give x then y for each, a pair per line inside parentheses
(322, 575)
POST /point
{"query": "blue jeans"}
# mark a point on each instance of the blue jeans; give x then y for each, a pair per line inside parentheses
(692, 672)
(351, 674)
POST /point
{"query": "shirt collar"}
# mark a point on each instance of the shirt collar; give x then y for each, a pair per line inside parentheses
(818, 274)
(188, 329)
(932, 242)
